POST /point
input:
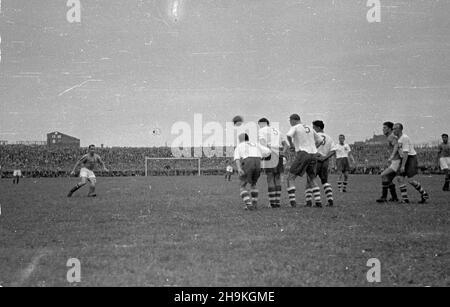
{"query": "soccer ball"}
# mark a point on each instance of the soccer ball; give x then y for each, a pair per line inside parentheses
(238, 120)
(156, 132)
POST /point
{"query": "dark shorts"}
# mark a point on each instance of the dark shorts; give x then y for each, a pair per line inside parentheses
(276, 170)
(304, 163)
(322, 170)
(411, 167)
(343, 165)
(252, 168)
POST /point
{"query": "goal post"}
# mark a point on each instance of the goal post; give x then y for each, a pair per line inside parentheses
(166, 165)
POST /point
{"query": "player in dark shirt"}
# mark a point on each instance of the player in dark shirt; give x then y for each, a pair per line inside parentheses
(89, 162)
(388, 175)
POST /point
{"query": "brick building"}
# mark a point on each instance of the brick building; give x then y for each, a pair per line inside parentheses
(62, 140)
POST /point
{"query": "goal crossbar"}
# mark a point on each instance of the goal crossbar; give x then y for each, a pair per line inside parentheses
(173, 159)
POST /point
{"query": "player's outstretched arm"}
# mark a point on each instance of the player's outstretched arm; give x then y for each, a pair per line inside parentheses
(320, 140)
(75, 167)
(291, 144)
(330, 155)
(77, 164)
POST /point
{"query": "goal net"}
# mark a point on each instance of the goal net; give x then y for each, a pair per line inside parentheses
(172, 166)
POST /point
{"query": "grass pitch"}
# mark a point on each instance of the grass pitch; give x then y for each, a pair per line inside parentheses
(192, 231)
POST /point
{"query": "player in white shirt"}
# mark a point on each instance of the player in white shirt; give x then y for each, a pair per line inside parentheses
(229, 172)
(248, 162)
(17, 172)
(343, 153)
(272, 166)
(304, 141)
(444, 160)
(409, 167)
(326, 150)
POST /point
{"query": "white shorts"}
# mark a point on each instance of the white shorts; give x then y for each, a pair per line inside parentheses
(85, 173)
(445, 163)
(17, 173)
(395, 165)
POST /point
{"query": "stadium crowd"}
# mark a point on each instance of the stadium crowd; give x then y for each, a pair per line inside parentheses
(42, 161)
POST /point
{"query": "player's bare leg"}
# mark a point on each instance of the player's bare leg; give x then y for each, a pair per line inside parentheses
(92, 183)
(290, 180)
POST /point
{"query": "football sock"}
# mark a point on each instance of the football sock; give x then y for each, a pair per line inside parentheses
(419, 188)
(272, 196)
(385, 190)
(308, 196)
(76, 188)
(246, 198)
(328, 191)
(291, 192)
(344, 186)
(278, 195)
(340, 186)
(317, 197)
(393, 191)
(404, 192)
(254, 193)
(91, 190)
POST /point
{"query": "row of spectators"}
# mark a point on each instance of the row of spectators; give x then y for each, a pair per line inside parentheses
(42, 161)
